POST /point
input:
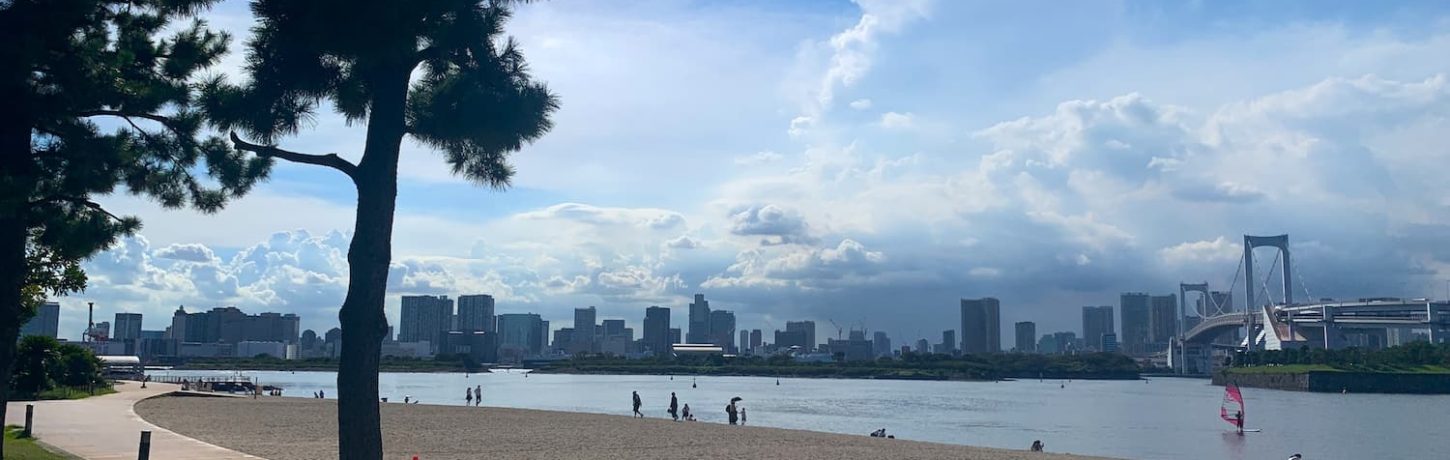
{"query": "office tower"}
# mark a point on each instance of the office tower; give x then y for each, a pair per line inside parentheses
(881, 344)
(309, 340)
(1134, 309)
(612, 328)
(722, 329)
(520, 335)
(564, 339)
(1066, 342)
(1026, 337)
(675, 336)
(981, 325)
(46, 321)
(128, 326)
(699, 321)
(584, 330)
(426, 319)
(332, 337)
(807, 331)
(1163, 319)
(1096, 321)
(755, 339)
(949, 341)
(657, 330)
(922, 346)
(1047, 345)
(475, 313)
(744, 342)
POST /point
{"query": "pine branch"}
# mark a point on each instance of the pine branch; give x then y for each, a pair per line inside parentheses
(330, 160)
(117, 113)
(94, 206)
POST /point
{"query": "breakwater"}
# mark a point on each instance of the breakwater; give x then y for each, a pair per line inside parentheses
(1335, 382)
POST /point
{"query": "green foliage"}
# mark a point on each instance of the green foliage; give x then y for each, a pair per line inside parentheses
(388, 364)
(1416, 357)
(45, 366)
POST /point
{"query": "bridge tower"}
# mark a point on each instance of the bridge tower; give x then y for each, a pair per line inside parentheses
(1250, 284)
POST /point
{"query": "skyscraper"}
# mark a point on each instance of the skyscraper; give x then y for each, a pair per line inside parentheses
(475, 313)
(1134, 308)
(881, 344)
(807, 329)
(675, 336)
(521, 335)
(922, 346)
(981, 325)
(699, 321)
(949, 341)
(1096, 321)
(657, 330)
(46, 321)
(744, 341)
(584, 330)
(755, 339)
(1163, 319)
(722, 329)
(426, 318)
(1026, 337)
(128, 326)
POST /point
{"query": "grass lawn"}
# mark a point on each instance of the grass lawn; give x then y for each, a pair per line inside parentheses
(73, 393)
(17, 448)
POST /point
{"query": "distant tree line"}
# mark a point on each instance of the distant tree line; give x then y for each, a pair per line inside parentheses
(1412, 354)
(908, 366)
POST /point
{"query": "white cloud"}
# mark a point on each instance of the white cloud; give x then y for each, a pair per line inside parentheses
(861, 104)
(758, 158)
(893, 120)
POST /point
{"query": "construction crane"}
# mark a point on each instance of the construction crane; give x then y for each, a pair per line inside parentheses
(838, 328)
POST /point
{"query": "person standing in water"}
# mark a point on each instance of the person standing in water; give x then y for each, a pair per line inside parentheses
(637, 413)
(732, 413)
(674, 407)
(468, 400)
(742, 415)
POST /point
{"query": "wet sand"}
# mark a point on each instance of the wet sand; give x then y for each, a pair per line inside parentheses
(304, 429)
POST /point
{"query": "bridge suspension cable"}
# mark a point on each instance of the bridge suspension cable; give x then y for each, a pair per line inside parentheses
(1233, 282)
(1307, 296)
(1267, 276)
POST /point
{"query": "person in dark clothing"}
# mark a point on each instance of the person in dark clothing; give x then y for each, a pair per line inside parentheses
(734, 415)
(674, 407)
(637, 413)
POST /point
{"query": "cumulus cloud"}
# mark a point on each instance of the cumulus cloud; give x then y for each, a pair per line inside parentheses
(893, 120)
(758, 158)
(861, 104)
(186, 252)
(852, 53)
(779, 225)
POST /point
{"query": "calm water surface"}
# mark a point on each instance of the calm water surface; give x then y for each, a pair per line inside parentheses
(1154, 419)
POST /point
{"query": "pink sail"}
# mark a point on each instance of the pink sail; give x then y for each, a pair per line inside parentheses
(1233, 405)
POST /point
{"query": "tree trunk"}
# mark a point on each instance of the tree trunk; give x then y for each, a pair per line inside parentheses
(16, 187)
(12, 278)
(363, 322)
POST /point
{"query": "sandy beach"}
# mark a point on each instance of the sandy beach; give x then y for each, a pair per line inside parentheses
(303, 429)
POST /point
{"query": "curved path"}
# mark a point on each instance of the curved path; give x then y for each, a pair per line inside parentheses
(106, 427)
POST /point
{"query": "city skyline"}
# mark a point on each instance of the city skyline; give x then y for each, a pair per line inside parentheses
(852, 174)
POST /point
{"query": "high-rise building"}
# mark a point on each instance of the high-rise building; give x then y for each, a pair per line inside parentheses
(1026, 337)
(722, 329)
(699, 321)
(1134, 309)
(922, 346)
(231, 325)
(981, 325)
(1048, 344)
(46, 321)
(1066, 342)
(128, 326)
(675, 335)
(881, 344)
(584, 330)
(807, 331)
(949, 341)
(1221, 301)
(1162, 320)
(744, 343)
(521, 335)
(1096, 321)
(657, 330)
(612, 327)
(475, 313)
(309, 340)
(102, 330)
(755, 339)
(564, 339)
(426, 319)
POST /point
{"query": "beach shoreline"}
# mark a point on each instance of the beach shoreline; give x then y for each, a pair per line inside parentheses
(285, 428)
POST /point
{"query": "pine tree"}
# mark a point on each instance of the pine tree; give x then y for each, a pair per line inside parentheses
(474, 101)
(98, 101)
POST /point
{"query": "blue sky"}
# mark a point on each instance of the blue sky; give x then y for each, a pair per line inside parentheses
(872, 162)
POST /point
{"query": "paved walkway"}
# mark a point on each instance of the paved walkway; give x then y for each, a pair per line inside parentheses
(106, 427)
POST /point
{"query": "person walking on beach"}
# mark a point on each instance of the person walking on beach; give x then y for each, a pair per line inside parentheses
(468, 400)
(637, 413)
(478, 396)
(732, 413)
(674, 407)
